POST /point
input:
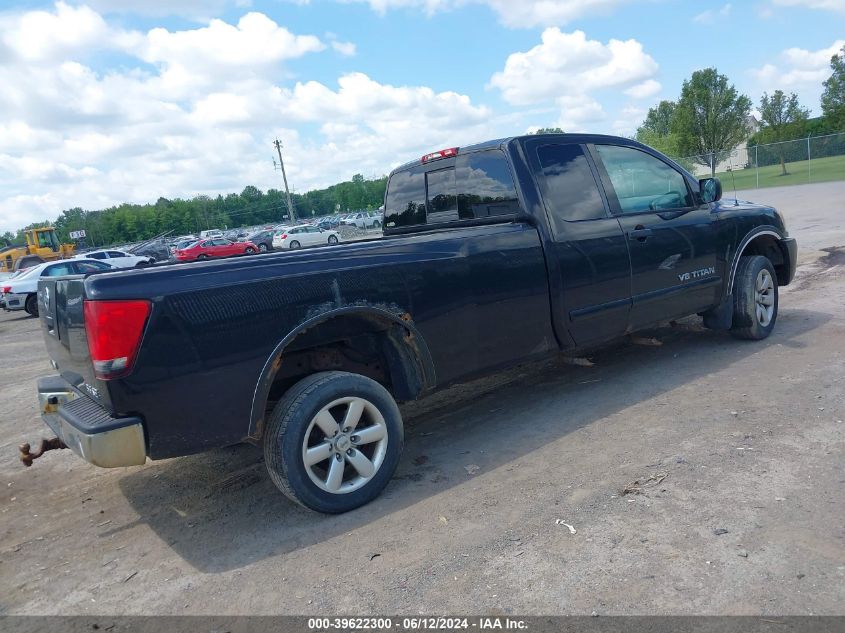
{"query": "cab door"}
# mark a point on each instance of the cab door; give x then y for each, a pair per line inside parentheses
(590, 270)
(671, 234)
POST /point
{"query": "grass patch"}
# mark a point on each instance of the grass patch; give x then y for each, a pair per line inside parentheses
(821, 170)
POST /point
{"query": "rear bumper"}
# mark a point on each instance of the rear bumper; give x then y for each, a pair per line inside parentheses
(790, 246)
(88, 429)
(13, 302)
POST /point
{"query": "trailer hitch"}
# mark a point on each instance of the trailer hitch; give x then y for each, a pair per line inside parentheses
(46, 445)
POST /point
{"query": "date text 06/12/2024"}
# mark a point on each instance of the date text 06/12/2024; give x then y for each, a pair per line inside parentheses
(416, 624)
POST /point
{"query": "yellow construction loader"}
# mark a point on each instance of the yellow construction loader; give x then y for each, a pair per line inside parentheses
(42, 245)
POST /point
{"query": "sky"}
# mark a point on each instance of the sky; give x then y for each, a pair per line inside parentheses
(110, 101)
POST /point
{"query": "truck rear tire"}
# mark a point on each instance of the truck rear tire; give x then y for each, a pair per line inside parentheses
(333, 441)
(755, 296)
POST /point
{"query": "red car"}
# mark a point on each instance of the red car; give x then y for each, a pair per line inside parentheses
(216, 247)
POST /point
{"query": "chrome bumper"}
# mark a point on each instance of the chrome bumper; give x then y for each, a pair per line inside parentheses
(88, 429)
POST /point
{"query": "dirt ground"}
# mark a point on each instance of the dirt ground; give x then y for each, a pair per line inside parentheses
(723, 435)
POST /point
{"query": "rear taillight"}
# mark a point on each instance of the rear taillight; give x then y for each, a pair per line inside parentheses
(114, 330)
(7, 289)
(283, 237)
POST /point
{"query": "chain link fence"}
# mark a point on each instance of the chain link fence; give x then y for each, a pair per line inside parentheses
(796, 162)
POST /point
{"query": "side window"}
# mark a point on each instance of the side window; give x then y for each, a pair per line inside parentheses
(313, 229)
(485, 185)
(114, 254)
(404, 204)
(441, 194)
(220, 242)
(97, 255)
(642, 182)
(90, 267)
(58, 270)
(569, 189)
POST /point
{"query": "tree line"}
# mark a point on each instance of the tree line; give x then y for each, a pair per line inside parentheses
(126, 222)
(710, 117)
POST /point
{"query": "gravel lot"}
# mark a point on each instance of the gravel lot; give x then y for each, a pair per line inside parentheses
(723, 435)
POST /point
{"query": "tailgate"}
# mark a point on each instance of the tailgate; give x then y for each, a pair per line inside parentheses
(63, 324)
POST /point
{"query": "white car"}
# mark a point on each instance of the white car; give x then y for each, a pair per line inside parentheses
(19, 293)
(366, 220)
(119, 259)
(303, 235)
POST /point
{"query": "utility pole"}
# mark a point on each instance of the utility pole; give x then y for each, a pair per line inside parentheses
(278, 145)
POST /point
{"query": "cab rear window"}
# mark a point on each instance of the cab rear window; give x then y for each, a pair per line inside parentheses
(468, 187)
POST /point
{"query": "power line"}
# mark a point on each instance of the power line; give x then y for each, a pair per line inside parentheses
(278, 145)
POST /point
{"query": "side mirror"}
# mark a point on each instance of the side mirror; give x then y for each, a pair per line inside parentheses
(711, 189)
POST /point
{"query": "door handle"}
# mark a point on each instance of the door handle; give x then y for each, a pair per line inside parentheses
(640, 233)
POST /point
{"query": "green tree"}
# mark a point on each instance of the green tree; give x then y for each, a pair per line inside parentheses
(252, 207)
(711, 116)
(656, 129)
(779, 115)
(659, 119)
(667, 144)
(833, 97)
(550, 130)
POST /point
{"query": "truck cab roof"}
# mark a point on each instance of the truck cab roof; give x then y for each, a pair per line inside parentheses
(502, 142)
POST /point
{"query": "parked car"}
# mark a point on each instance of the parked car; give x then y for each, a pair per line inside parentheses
(304, 235)
(182, 245)
(182, 238)
(19, 292)
(367, 220)
(218, 247)
(263, 240)
(498, 253)
(211, 233)
(118, 258)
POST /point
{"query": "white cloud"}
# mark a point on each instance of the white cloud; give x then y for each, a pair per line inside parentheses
(798, 68)
(577, 112)
(347, 49)
(713, 16)
(40, 35)
(569, 64)
(194, 111)
(646, 89)
(256, 42)
(628, 120)
(516, 14)
(830, 5)
(530, 13)
(201, 10)
(568, 70)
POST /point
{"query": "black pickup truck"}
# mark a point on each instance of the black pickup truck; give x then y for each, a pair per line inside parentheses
(491, 255)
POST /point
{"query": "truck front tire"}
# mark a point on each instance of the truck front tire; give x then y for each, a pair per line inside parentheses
(333, 441)
(755, 296)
